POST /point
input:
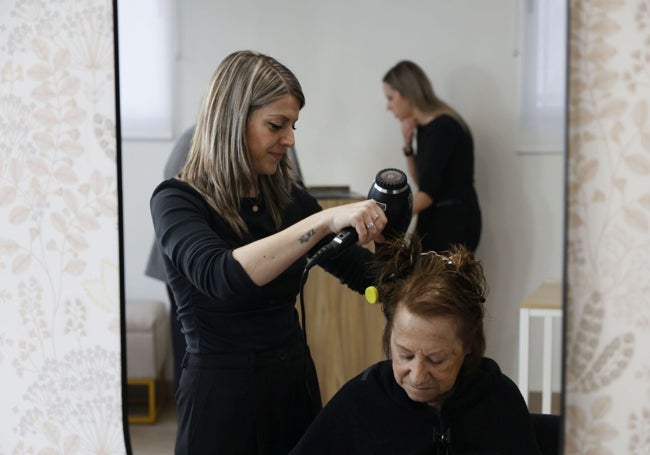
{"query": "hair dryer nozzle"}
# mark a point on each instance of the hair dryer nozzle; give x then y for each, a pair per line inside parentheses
(393, 194)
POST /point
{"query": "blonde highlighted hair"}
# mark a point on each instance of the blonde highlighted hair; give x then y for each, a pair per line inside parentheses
(218, 164)
(413, 84)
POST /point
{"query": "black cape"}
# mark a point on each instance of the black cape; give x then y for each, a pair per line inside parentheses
(372, 414)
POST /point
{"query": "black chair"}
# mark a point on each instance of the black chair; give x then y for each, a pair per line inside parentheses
(547, 430)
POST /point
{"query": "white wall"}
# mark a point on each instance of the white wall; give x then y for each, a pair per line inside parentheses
(340, 50)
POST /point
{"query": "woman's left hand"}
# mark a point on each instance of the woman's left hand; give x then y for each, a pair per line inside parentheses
(264, 259)
(366, 217)
(408, 129)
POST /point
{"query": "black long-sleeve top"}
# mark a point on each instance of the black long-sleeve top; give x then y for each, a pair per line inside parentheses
(372, 414)
(220, 308)
(445, 166)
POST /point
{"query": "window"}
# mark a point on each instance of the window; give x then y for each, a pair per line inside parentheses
(146, 54)
(543, 54)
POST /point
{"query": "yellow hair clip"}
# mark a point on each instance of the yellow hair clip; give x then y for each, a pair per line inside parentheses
(372, 294)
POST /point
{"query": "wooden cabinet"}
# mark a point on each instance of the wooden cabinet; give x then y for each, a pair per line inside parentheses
(343, 330)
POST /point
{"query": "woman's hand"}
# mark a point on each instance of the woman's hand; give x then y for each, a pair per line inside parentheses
(408, 129)
(366, 217)
(264, 259)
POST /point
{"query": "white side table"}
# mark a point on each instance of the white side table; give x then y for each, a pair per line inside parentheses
(544, 302)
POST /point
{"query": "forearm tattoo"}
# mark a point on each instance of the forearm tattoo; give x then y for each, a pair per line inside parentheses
(307, 236)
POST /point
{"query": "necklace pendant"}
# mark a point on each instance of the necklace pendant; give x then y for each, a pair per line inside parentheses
(255, 208)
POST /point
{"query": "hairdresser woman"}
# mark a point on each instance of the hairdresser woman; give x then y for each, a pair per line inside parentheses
(439, 153)
(235, 231)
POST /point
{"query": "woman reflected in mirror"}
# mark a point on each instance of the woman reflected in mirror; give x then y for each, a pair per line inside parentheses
(439, 152)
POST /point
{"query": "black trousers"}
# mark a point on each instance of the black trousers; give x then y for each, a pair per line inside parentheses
(249, 403)
(178, 339)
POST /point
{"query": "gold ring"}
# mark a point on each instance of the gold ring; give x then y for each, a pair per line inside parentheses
(370, 225)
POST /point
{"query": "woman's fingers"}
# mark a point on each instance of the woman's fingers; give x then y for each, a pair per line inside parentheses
(374, 221)
(366, 217)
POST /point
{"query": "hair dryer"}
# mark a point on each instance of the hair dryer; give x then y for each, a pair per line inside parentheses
(392, 193)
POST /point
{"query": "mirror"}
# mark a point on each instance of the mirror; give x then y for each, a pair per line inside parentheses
(339, 51)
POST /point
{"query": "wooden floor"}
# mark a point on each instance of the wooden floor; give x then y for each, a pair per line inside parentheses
(535, 402)
(156, 438)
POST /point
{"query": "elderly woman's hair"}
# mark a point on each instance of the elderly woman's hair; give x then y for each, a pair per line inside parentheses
(429, 284)
(218, 164)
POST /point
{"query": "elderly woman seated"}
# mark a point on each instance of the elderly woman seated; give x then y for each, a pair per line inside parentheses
(437, 393)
